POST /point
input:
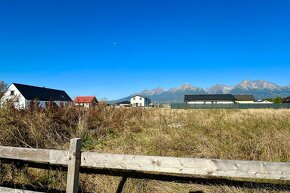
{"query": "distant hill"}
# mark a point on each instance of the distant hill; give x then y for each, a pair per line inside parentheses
(259, 88)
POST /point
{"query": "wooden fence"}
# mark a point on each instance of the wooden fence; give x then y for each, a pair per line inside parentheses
(194, 170)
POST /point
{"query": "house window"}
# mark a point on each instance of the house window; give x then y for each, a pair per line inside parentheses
(133, 98)
(12, 92)
(140, 98)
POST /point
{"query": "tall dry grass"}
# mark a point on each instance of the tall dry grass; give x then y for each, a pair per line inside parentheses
(224, 134)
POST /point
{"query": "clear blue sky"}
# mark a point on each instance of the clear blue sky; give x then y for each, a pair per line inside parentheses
(115, 48)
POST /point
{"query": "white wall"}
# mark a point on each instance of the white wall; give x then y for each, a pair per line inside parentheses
(87, 105)
(17, 99)
(63, 102)
(263, 102)
(242, 102)
(43, 103)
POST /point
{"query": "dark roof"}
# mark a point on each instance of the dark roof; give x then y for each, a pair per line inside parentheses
(139, 96)
(41, 93)
(244, 97)
(123, 102)
(209, 97)
(286, 100)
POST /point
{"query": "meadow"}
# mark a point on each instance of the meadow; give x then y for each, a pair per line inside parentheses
(260, 134)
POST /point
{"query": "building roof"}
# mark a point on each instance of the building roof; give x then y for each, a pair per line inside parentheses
(41, 93)
(209, 97)
(85, 99)
(123, 103)
(139, 96)
(286, 100)
(244, 97)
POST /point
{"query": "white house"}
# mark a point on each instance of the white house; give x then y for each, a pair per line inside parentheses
(22, 96)
(139, 101)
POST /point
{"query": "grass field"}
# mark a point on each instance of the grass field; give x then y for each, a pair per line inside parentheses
(222, 134)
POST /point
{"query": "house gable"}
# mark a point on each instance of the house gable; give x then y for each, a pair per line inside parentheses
(14, 96)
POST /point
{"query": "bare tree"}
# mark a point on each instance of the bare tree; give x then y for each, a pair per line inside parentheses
(3, 88)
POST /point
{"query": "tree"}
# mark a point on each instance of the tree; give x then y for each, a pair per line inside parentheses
(3, 88)
(278, 100)
(269, 99)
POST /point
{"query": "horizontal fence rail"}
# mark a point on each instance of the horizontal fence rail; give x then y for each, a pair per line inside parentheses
(189, 166)
(12, 190)
(231, 106)
(50, 156)
(76, 161)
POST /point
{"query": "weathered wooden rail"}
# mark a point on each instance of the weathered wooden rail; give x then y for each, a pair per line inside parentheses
(193, 170)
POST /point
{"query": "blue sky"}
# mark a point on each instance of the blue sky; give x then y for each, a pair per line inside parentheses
(115, 48)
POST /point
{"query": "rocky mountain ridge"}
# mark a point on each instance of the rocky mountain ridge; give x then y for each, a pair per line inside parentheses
(259, 88)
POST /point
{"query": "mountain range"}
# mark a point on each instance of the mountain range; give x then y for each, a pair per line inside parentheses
(259, 88)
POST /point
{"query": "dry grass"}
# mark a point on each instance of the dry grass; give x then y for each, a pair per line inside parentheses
(227, 134)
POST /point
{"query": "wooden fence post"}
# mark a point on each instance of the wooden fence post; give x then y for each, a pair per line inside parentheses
(72, 185)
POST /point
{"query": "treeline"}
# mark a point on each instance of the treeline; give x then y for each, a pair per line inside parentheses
(277, 100)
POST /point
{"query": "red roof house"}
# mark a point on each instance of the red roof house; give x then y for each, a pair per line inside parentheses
(86, 101)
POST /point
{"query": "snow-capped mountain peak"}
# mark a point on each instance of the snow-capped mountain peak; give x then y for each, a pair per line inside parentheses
(154, 91)
(184, 87)
(257, 84)
(259, 88)
(219, 89)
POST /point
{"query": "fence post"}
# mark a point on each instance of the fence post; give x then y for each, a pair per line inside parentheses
(72, 185)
